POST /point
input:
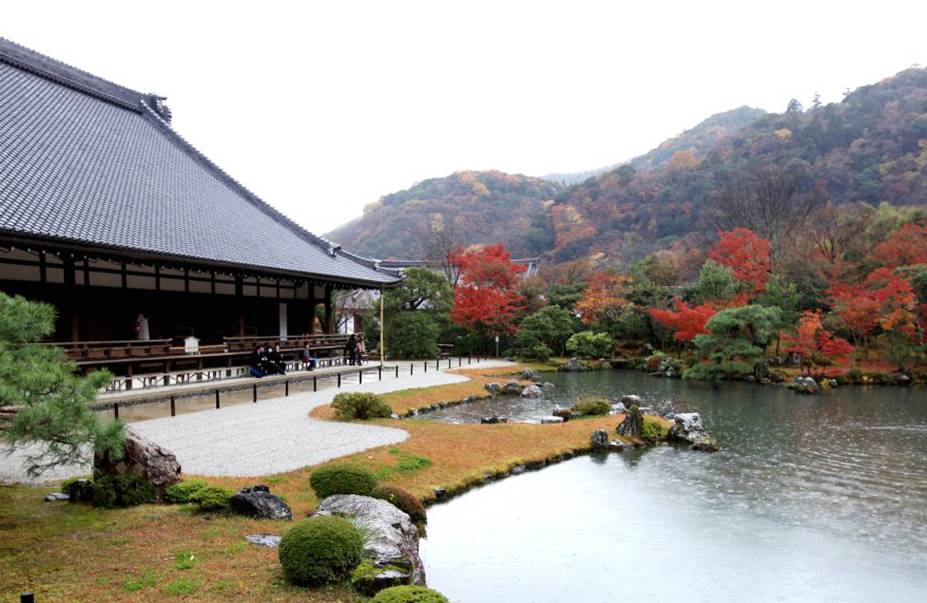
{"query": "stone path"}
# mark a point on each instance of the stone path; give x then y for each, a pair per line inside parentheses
(272, 436)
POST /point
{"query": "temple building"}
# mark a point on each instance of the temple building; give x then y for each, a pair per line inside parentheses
(111, 216)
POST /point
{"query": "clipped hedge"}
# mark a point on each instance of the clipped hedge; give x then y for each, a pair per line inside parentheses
(403, 500)
(591, 405)
(181, 492)
(360, 405)
(128, 490)
(409, 594)
(320, 550)
(211, 498)
(342, 479)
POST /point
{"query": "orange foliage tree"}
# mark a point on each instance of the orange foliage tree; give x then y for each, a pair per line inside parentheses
(486, 299)
(813, 342)
(604, 297)
(685, 321)
(905, 246)
(746, 254)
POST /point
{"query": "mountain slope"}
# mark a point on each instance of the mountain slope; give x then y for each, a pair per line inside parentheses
(476, 207)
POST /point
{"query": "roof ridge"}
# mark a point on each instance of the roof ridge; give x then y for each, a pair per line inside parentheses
(67, 75)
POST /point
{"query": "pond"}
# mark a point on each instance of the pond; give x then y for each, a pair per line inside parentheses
(811, 499)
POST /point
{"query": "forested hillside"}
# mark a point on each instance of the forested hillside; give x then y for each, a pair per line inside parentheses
(743, 167)
(471, 207)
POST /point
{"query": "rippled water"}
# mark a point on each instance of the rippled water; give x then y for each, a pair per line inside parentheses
(812, 499)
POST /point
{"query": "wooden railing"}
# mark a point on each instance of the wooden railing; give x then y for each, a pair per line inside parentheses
(320, 341)
(112, 350)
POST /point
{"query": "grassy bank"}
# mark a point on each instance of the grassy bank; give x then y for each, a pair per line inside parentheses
(159, 552)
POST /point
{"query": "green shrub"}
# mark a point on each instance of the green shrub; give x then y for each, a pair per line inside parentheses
(342, 479)
(403, 500)
(539, 352)
(412, 335)
(653, 430)
(360, 405)
(128, 490)
(587, 344)
(320, 550)
(180, 492)
(591, 405)
(211, 498)
(409, 594)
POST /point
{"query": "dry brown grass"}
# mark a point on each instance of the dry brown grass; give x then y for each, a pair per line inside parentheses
(77, 553)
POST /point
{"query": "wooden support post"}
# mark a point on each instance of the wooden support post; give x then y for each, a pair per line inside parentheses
(411, 368)
(217, 398)
(173, 407)
(360, 376)
(382, 329)
(426, 365)
(397, 371)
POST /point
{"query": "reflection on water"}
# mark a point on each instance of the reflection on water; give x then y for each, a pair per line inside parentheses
(812, 498)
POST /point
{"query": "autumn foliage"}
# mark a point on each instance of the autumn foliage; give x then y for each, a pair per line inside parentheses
(685, 321)
(486, 299)
(906, 246)
(746, 254)
(604, 297)
(812, 341)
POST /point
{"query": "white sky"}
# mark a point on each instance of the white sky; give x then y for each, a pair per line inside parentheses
(321, 108)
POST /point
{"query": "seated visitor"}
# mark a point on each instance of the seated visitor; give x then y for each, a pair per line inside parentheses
(361, 351)
(308, 359)
(256, 362)
(276, 360)
(350, 349)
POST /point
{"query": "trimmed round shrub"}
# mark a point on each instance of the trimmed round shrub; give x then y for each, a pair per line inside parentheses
(211, 498)
(121, 491)
(320, 550)
(342, 479)
(181, 492)
(591, 405)
(360, 405)
(403, 500)
(409, 594)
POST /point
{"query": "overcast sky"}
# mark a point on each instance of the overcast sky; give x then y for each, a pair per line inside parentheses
(321, 108)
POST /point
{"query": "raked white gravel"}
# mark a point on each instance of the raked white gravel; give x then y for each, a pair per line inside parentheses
(272, 436)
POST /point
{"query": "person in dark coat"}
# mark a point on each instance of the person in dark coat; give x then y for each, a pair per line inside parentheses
(256, 363)
(276, 360)
(351, 349)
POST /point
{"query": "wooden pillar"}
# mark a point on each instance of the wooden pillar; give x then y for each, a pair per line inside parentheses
(71, 305)
(329, 319)
(312, 303)
(382, 330)
(240, 302)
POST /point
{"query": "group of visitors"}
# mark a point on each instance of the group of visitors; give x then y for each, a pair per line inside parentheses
(355, 350)
(266, 360)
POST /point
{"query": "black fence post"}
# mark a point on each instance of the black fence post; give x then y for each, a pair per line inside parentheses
(315, 384)
(286, 388)
(339, 379)
(438, 364)
(448, 362)
(360, 376)
(459, 362)
(397, 371)
(26, 598)
(254, 393)
(217, 398)
(115, 410)
(173, 407)
(468, 359)
(380, 373)
(411, 368)
(426, 366)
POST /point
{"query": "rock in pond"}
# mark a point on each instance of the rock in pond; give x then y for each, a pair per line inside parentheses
(630, 399)
(259, 503)
(599, 440)
(687, 427)
(529, 374)
(143, 458)
(551, 419)
(268, 540)
(391, 538)
(532, 391)
(564, 413)
(572, 365)
(493, 420)
(512, 388)
(493, 388)
(632, 424)
(806, 385)
(548, 385)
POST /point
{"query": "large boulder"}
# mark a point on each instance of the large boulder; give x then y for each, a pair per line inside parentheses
(573, 365)
(532, 391)
(599, 441)
(512, 388)
(493, 388)
(259, 503)
(141, 457)
(633, 423)
(391, 542)
(688, 428)
(529, 374)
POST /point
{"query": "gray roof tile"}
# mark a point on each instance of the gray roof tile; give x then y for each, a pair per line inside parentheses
(85, 160)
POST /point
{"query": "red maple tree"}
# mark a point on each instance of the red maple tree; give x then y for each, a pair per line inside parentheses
(746, 254)
(812, 341)
(685, 321)
(905, 246)
(486, 297)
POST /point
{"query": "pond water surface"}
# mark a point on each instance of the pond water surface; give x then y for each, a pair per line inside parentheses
(811, 499)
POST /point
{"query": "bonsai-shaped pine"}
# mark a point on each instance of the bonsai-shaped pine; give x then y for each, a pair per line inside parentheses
(53, 400)
(736, 341)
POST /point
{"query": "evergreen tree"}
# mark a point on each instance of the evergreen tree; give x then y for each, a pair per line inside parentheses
(736, 341)
(54, 401)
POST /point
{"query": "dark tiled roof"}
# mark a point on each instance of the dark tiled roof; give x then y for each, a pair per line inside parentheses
(85, 160)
